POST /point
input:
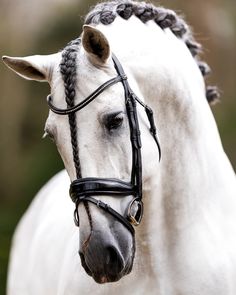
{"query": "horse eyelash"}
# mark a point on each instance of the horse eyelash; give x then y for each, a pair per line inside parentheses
(44, 135)
(48, 134)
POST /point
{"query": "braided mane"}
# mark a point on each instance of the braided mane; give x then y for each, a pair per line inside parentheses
(106, 13)
(68, 72)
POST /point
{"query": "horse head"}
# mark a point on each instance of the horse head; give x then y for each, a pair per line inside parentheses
(98, 138)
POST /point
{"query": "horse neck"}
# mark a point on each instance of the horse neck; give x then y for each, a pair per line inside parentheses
(194, 170)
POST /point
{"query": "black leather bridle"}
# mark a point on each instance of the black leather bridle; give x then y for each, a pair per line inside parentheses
(84, 189)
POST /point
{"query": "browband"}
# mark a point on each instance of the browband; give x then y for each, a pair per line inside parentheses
(87, 100)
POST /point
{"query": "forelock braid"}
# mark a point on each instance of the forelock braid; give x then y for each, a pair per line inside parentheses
(106, 13)
(68, 67)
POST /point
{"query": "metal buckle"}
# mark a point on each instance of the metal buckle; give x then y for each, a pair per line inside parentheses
(135, 217)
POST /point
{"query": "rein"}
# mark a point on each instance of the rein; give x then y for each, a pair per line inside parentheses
(84, 189)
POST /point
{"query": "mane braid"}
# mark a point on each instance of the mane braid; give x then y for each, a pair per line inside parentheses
(106, 13)
(68, 71)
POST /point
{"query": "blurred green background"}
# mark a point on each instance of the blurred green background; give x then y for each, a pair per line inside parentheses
(40, 27)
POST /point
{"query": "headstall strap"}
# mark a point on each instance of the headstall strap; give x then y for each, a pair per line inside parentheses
(83, 189)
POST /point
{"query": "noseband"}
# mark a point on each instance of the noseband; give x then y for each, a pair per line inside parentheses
(84, 189)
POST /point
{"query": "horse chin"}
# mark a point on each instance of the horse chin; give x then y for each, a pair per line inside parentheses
(102, 279)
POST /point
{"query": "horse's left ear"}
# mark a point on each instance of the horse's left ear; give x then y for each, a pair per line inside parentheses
(35, 67)
(95, 44)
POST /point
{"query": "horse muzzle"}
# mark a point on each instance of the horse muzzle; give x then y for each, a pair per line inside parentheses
(105, 258)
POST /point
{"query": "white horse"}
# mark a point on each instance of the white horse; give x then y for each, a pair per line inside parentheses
(186, 242)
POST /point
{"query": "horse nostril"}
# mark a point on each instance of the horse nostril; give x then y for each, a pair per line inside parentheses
(114, 261)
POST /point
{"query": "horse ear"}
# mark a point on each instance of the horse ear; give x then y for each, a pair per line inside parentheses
(95, 44)
(36, 67)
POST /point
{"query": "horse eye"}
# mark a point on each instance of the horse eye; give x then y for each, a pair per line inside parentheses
(114, 121)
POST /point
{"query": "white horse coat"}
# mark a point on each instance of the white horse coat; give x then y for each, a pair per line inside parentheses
(186, 243)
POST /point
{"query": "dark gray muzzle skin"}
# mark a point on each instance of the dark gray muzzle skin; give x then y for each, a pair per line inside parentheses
(108, 255)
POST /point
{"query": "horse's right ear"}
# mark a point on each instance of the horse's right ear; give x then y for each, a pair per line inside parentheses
(36, 67)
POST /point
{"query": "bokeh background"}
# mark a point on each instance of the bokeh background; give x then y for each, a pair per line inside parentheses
(41, 27)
